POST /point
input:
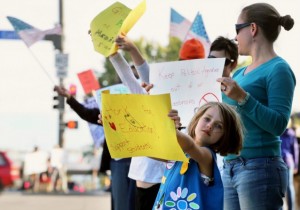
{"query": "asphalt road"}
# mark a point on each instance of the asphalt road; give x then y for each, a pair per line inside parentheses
(26, 201)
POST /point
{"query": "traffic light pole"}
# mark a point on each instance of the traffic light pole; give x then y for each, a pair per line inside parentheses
(61, 83)
(61, 121)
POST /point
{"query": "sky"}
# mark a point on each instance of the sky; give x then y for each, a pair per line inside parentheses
(26, 92)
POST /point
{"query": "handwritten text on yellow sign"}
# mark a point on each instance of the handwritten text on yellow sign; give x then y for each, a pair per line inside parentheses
(138, 125)
(114, 20)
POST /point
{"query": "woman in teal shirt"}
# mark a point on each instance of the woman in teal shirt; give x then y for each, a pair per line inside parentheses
(263, 94)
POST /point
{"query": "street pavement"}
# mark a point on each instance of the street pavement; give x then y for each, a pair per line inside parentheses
(14, 200)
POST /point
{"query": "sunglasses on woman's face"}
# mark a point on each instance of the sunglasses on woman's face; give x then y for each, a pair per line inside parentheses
(227, 60)
(238, 27)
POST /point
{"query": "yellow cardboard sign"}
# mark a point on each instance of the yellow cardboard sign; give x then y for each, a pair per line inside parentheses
(138, 125)
(114, 20)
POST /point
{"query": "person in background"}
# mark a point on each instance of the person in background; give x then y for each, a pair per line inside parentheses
(191, 49)
(262, 93)
(223, 47)
(290, 155)
(58, 161)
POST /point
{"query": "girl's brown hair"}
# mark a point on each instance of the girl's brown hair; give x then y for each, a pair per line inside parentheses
(231, 141)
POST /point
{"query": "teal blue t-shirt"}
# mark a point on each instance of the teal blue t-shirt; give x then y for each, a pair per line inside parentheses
(266, 113)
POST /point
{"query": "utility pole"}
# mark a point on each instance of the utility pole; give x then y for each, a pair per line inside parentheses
(61, 63)
(61, 79)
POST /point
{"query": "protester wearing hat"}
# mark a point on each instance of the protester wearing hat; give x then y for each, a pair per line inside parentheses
(191, 49)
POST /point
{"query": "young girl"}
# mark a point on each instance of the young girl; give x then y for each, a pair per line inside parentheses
(216, 127)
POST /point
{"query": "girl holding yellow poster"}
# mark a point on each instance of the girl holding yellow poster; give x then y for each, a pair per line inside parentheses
(215, 128)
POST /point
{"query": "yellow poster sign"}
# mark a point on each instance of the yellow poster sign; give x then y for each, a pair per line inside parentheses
(138, 125)
(114, 20)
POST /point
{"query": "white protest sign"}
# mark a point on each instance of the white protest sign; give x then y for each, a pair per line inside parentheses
(191, 83)
(35, 162)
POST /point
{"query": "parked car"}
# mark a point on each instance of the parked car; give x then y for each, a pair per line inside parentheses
(9, 173)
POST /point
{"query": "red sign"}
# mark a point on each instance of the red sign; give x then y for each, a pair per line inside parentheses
(88, 81)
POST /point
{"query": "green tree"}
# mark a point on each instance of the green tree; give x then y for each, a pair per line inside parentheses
(172, 49)
(109, 77)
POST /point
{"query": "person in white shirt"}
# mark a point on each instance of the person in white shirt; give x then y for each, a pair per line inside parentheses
(146, 171)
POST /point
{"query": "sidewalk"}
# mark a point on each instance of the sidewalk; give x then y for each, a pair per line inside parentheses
(52, 201)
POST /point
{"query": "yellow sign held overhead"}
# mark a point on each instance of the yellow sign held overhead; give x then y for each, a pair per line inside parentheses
(114, 20)
(138, 125)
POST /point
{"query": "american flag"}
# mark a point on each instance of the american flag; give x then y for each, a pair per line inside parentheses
(198, 31)
(179, 25)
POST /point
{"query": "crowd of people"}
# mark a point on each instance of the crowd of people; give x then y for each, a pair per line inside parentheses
(245, 129)
(43, 171)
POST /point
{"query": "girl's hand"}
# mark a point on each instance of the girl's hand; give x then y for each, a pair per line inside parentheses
(124, 43)
(173, 114)
(147, 86)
